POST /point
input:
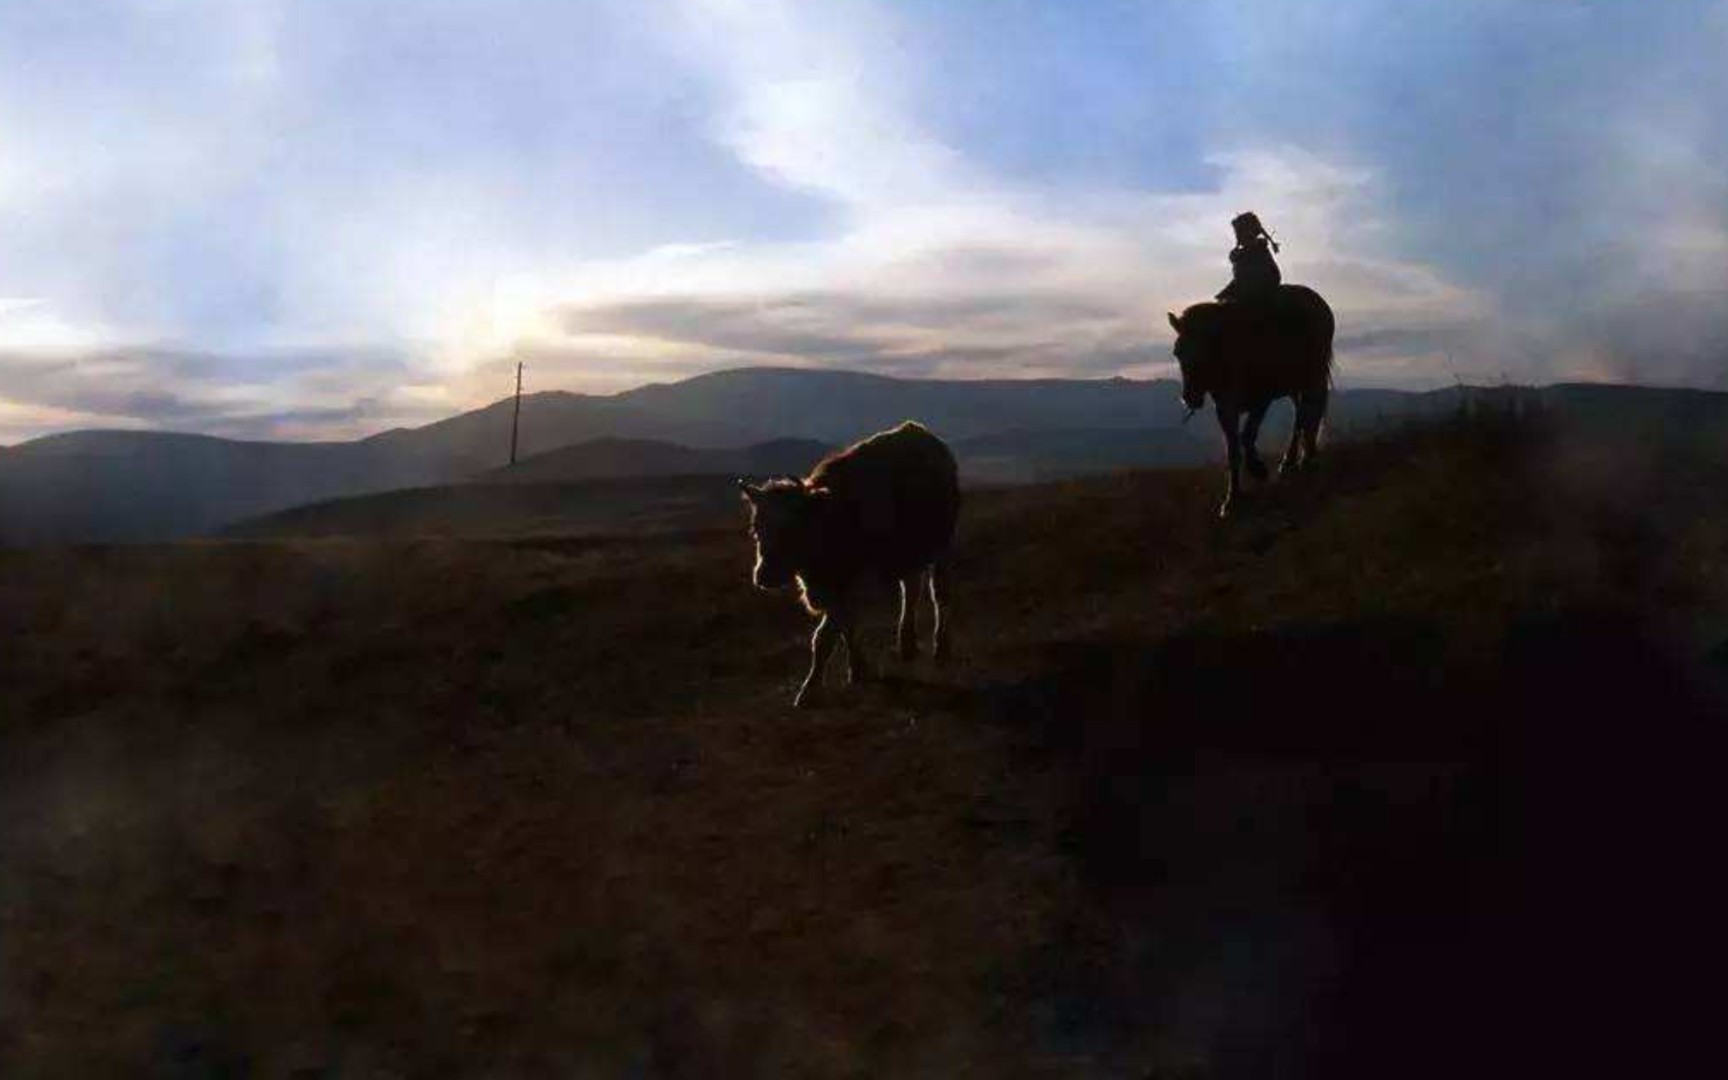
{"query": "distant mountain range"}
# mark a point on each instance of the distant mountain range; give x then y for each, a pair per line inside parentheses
(106, 486)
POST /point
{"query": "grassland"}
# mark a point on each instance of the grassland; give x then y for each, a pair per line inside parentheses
(1296, 794)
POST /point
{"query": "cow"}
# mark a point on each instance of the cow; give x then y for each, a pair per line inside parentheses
(881, 511)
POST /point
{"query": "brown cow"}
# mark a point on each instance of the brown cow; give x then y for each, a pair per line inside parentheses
(882, 510)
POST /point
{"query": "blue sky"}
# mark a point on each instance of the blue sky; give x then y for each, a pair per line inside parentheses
(316, 218)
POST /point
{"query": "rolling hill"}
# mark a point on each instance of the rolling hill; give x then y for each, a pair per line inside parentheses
(637, 485)
(1405, 772)
(634, 505)
(603, 459)
(99, 486)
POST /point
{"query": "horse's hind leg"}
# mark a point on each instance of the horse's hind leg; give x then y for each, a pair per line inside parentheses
(1310, 419)
(1231, 421)
(1293, 453)
(1251, 441)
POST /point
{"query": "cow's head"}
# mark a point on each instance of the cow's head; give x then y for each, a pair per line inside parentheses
(1196, 352)
(783, 516)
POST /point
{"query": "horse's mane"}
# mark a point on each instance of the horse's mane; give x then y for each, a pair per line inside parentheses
(1206, 315)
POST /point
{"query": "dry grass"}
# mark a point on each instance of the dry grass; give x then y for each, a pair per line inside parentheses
(540, 808)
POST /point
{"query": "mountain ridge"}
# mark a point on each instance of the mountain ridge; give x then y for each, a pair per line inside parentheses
(118, 485)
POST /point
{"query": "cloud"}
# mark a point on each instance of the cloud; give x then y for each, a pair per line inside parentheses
(810, 100)
(1000, 282)
(45, 389)
(1004, 332)
(615, 192)
(935, 266)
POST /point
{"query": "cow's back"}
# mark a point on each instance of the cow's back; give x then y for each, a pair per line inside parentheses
(900, 494)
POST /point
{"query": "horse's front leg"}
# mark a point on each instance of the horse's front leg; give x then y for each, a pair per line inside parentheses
(1230, 419)
(1251, 440)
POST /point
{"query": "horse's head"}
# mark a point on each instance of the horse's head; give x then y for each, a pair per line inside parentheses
(1196, 352)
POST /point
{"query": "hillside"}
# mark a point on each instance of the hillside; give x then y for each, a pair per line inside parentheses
(494, 510)
(602, 459)
(136, 486)
(1027, 457)
(624, 486)
(106, 486)
(1397, 774)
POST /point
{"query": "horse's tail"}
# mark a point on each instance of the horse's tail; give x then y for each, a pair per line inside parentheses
(1326, 326)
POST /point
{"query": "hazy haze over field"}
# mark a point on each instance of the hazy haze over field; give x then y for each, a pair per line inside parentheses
(319, 219)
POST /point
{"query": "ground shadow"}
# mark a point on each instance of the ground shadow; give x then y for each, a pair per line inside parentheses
(1331, 850)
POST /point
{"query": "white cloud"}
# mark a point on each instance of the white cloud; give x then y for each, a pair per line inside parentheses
(934, 257)
(810, 100)
(344, 182)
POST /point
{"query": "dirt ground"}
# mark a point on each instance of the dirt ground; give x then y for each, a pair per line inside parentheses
(1341, 786)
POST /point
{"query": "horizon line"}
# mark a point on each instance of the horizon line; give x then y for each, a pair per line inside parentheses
(820, 372)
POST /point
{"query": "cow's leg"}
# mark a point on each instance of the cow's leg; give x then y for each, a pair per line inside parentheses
(1230, 419)
(906, 636)
(939, 601)
(1251, 440)
(857, 665)
(822, 644)
(1293, 453)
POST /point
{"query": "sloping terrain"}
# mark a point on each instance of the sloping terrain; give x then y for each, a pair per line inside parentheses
(130, 486)
(1396, 774)
(627, 486)
(607, 459)
(628, 507)
(1029, 457)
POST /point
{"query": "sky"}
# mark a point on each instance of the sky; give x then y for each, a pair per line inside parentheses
(321, 218)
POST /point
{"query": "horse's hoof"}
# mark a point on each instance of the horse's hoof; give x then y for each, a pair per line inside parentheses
(907, 651)
(807, 699)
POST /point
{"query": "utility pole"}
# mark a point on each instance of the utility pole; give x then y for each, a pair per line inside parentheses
(516, 417)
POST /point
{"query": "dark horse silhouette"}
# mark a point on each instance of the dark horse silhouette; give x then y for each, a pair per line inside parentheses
(1246, 356)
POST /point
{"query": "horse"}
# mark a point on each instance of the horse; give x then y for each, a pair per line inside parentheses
(1248, 355)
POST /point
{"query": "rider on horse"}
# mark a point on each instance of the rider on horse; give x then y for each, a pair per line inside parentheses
(1254, 273)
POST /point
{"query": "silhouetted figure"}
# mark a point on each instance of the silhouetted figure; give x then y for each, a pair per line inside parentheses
(1246, 356)
(1254, 273)
(880, 511)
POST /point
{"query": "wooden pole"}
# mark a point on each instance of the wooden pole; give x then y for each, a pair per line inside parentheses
(516, 417)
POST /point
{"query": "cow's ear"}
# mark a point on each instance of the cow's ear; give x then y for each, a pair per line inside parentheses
(1175, 322)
